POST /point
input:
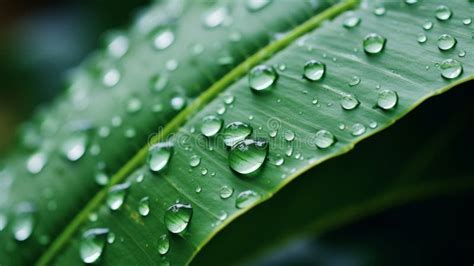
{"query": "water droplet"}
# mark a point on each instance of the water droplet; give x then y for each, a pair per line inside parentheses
(104, 132)
(276, 159)
(216, 17)
(443, 13)
(246, 199)
(23, 224)
(349, 102)
(351, 21)
(3, 221)
(462, 53)
(198, 189)
(177, 103)
(236, 132)
(314, 70)
(116, 196)
(194, 161)
(134, 105)
(373, 124)
(111, 238)
(226, 192)
(450, 68)
(387, 99)
(229, 99)
(428, 25)
(36, 162)
(373, 43)
(163, 39)
(467, 21)
(411, 2)
(118, 46)
(446, 42)
(421, 38)
(324, 139)
(355, 80)
(289, 135)
(380, 11)
(177, 217)
(92, 244)
(101, 178)
(172, 65)
(204, 171)
(144, 206)
(248, 155)
(75, 146)
(163, 245)
(256, 5)
(159, 156)
(111, 77)
(211, 125)
(116, 121)
(358, 129)
(262, 77)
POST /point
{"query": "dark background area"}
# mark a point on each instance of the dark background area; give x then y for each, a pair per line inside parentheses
(39, 41)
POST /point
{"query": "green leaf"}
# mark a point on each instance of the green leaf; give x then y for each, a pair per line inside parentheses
(303, 114)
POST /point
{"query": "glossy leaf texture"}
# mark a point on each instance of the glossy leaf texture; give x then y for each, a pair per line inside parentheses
(370, 79)
(120, 97)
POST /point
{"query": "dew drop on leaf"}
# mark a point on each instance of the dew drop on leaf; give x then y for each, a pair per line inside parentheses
(111, 238)
(450, 68)
(246, 199)
(236, 132)
(23, 222)
(358, 129)
(92, 244)
(194, 161)
(216, 17)
(380, 11)
(74, 147)
(177, 217)
(163, 39)
(159, 82)
(118, 46)
(116, 196)
(111, 77)
(467, 21)
(211, 125)
(373, 43)
(262, 77)
(421, 38)
(428, 25)
(314, 70)
(443, 13)
(134, 105)
(351, 21)
(101, 178)
(163, 244)
(355, 80)
(387, 99)
(324, 139)
(144, 206)
(248, 155)
(36, 162)
(159, 156)
(411, 2)
(256, 5)
(446, 42)
(226, 192)
(349, 102)
(3, 221)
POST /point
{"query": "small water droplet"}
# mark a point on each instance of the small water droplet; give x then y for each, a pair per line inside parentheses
(159, 156)
(387, 99)
(116, 196)
(216, 17)
(144, 206)
(23, 224)
(324, 139)
(276, 159)
(204, 171)
(226, 192)
(229, 99)
(36, 162)
(421, 38)
(462, 53)
(450, 68)
(358, 129)
(194, 161)
(428, 25)
(351, 21)
(178, 103)
(262, 77)
(349, 102)
(248, 155)
(373, 43)
(373, 124)
(198, 189)
(446, 42)
(92, 244)
(355, 80)
(256, 5)
(314, 70)
(111, 77)
(101, 178)
(289, 135)
(177, 217)
(163, 244)
(236, 132)
(411, 2)
(111, 238)
(467, 21)
(211, 125)
(380, 11)
(134, 105)
(75, 146)
(3, 221)
(163, 39)
(118, 46)
(443, 13)
(246, 199)
(159, 82)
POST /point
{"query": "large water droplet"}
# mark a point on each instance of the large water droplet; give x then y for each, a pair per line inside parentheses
(116, 195)
(226, 192)
(246, 199)
(349, 102)
(36, 162)
(92, 244)
(144, 206)
(23, 224)
(324, 139)
(256, 5)
(236, 132)
(248, 155)
(211, 125)
(177, 217)
(443, 13)
(163, 244)
(262, 77)
(314, 70)
(159, 156)
(373, 43)
(446, 42)
(163, 39)
(387, 99)
(75, 146)
(450, 68)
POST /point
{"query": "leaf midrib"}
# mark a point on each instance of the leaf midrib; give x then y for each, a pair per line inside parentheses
(207, 96)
